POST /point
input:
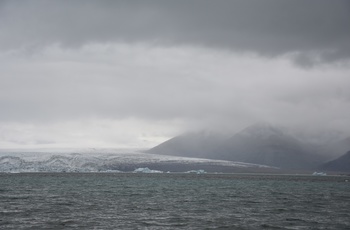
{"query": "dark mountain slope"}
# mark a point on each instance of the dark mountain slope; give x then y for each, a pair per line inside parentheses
(268, 145)
(259, 144)
(198, 144)
(341, 164)
(337, 149)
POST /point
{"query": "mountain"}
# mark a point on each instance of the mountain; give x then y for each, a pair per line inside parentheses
(259, 144)
(197, 144)
(270, 145)
(341, 164)
(337, 149)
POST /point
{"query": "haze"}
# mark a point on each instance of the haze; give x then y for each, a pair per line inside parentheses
(136, 73)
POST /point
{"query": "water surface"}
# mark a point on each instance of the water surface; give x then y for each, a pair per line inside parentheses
(172, 201)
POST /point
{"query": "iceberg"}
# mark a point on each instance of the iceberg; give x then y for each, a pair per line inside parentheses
(200, 171)
(319, 174)
(146, 170)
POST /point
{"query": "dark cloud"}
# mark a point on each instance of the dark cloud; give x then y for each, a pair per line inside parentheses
(315, 31)
(90, 71)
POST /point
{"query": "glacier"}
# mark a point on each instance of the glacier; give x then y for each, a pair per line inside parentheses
(106, 160)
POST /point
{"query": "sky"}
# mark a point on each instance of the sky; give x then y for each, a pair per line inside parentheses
(132, 74)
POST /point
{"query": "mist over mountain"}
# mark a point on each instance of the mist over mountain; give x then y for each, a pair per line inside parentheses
(260, 143)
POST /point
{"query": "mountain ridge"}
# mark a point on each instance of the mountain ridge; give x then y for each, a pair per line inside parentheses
(261, 143)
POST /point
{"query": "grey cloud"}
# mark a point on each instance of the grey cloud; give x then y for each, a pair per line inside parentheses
(177, 64)
(316, 31)
(198, 86)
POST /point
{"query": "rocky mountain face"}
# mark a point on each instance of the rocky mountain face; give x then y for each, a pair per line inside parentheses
(259, 144)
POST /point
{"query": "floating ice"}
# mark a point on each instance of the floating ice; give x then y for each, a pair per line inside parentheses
(200, 171)
(146, 170)
(319, 174)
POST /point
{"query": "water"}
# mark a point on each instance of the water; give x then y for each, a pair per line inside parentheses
(172, 201)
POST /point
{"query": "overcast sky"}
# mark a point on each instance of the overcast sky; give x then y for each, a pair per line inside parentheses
(135, 73)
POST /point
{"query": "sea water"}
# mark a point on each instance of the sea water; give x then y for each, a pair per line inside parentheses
(173, 201)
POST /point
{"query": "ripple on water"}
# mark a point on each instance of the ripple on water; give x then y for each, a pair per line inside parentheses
(172, 201)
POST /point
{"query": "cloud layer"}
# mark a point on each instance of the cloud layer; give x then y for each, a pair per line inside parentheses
(133, 73)
(314, 31)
